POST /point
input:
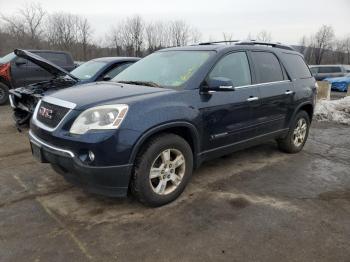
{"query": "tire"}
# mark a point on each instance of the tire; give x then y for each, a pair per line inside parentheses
(297, 134)
(4, 93)
(169, 177)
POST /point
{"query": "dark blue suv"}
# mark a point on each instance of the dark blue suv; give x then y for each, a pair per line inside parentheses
(154, 123)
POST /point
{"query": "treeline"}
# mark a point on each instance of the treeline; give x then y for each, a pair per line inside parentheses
(324, 47)
(31, 27)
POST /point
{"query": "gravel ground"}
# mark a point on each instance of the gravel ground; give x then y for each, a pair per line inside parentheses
(254, 205)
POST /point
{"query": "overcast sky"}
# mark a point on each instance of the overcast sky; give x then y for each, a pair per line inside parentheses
(286, 20)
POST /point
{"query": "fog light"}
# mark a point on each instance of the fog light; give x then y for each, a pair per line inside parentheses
(91, 156)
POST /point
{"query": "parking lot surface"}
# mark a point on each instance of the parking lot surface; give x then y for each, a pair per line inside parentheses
(254, 205)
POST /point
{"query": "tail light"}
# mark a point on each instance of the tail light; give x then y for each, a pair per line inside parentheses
(5, 72)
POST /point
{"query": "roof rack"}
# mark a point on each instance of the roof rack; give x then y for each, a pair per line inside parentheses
(277, 45)
(249, 42)
(218, 42)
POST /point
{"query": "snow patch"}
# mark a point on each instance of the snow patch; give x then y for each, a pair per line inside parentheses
(334, 111)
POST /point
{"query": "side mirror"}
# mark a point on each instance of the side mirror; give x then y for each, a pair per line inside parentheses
(218, 84)
(20, 61)
(106, 78)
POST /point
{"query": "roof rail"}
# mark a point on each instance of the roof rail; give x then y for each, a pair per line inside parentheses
(277, 45)
(218, 42)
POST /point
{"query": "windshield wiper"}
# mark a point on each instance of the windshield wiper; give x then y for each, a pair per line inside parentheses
(143, 83)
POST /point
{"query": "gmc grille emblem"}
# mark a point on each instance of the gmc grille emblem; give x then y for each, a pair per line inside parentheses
(45, 112)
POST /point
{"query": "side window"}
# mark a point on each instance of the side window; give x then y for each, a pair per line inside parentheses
(296, 66)
(330, 69)
(116, 70)
(56, 58)
(314, 70)
(268, 67)
(234, 66)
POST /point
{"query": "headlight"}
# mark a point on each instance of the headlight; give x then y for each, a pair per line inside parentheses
(99, 117)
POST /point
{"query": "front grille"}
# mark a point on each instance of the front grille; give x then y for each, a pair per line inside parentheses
(50, 114)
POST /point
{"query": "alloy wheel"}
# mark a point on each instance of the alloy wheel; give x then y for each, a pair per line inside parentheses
(167, 171)
(299, 132)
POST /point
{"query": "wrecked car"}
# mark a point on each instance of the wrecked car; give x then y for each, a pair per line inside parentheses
(16, 71)
(24, 99)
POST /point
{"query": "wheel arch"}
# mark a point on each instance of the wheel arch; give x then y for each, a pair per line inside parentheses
(307, 107)
(185, 130)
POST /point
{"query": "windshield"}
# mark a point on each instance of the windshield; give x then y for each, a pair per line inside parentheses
(167, 69)
(7, 58)
(88, 69)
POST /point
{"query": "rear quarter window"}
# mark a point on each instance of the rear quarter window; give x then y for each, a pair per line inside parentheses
(330, 69)
(297, 67)
(60, 59)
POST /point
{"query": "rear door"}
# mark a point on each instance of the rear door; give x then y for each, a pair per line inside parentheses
(276, 92)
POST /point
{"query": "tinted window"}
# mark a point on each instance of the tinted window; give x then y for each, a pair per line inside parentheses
(329, 69)
(296, 66)
(117, 70)
(234, 66)
(314, 70)
(268, 67)
(56, 58)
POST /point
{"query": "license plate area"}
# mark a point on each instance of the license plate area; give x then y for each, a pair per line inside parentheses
(37, 152)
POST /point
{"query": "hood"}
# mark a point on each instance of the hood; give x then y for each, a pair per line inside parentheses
(43, 63)
(338, 79)
(98, 93)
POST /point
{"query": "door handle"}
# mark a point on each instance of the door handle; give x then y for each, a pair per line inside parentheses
(252, 98)
(289, 92)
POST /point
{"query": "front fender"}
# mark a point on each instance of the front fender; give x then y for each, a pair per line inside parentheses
(163, 127)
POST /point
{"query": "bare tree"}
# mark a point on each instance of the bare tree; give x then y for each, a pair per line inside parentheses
(84, 33)
(27, 23)
(347, 48)
(114, 39)
(264, 36)
(227, 36)
(303, 45)
(195, 35)
(322, 41)
(180, 33)
(157, 36)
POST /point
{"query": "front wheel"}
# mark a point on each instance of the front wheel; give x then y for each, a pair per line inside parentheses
(297, 134)
(162, 170)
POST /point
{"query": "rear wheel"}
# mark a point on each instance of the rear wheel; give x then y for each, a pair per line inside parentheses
(162, 170)
(4, 93)
(297, 134)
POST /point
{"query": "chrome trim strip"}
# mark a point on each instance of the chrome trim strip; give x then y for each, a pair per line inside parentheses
(51, 100)
(59, 102)
(12, 103)
(35, 140)
(262, 84)
(242, 141)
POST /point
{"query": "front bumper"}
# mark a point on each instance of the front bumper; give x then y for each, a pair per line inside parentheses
(105, 180)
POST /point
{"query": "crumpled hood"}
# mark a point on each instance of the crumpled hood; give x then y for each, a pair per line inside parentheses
(43, 63)
(338, 79)
(98, 93)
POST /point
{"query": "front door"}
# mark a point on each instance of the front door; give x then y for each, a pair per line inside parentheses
(228, 115)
